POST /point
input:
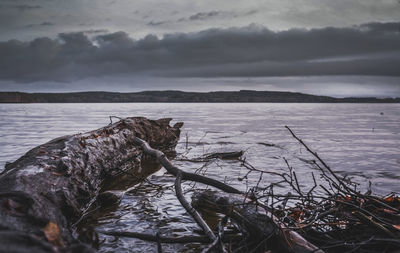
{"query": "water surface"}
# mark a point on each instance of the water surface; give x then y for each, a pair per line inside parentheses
(358, 140)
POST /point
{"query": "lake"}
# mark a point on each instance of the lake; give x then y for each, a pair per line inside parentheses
(361, 141)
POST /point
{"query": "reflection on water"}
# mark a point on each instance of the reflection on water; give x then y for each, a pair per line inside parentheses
(354, 139)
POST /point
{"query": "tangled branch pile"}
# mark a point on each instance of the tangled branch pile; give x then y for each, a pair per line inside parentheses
(331, 216)
(340, 220)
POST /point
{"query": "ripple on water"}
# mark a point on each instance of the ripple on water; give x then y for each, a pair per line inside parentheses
(354, 139)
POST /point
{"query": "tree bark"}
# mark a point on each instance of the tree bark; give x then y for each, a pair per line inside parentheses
(45, 192)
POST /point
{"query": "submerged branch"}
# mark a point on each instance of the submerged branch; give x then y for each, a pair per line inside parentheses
(153, 238)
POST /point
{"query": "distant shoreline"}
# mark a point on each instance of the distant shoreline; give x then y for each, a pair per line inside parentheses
(172, 96)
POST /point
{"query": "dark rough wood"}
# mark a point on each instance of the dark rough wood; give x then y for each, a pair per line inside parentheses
(259, 223)
(46, 191)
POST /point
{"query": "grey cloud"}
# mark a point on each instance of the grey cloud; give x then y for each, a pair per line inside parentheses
(118, 41)
(380, 67)
(204, 15)
(225, 14)
(21, 7)
(247, 51)
(251, 12)
(78, 41)
(276, 14)
(157, 23)
(46, 24)
(201, 16)
(95, 31)
(389, 27)
(244, 14)
(41, 24)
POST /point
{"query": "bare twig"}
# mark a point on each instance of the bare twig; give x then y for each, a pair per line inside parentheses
(320, 160)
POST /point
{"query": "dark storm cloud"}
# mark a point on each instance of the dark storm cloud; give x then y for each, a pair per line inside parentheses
(382, 27)
(369, 49)
(378, 67)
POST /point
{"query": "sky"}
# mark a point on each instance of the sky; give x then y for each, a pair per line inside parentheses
(337, 48)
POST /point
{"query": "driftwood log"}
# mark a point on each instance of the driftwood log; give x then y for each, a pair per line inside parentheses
(44, 194)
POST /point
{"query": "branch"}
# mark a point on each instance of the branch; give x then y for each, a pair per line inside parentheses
(163, 160)
(153, 238)
(196, 216)
(320, 160)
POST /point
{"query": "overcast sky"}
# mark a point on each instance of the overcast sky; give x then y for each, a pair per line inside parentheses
(339, 48)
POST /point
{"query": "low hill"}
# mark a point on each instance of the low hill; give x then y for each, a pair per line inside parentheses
(243, 96)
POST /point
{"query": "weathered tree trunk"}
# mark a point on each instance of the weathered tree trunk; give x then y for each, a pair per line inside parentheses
(45, 192)
(261, 226)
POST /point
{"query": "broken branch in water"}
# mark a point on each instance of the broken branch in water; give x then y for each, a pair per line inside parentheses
(163, 160)
(233, 155)
(196, 216)
(224, 155)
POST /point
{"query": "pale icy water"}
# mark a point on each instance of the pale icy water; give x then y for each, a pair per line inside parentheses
(359, 140)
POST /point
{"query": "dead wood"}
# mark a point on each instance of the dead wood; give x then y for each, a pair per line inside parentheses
(44, 193)
(182, 175)
(224, 155)
(260, 225)
(340, 219)
(168, 239)
(163, 160)
(284, 239)
(233, 155)
(196, 216)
